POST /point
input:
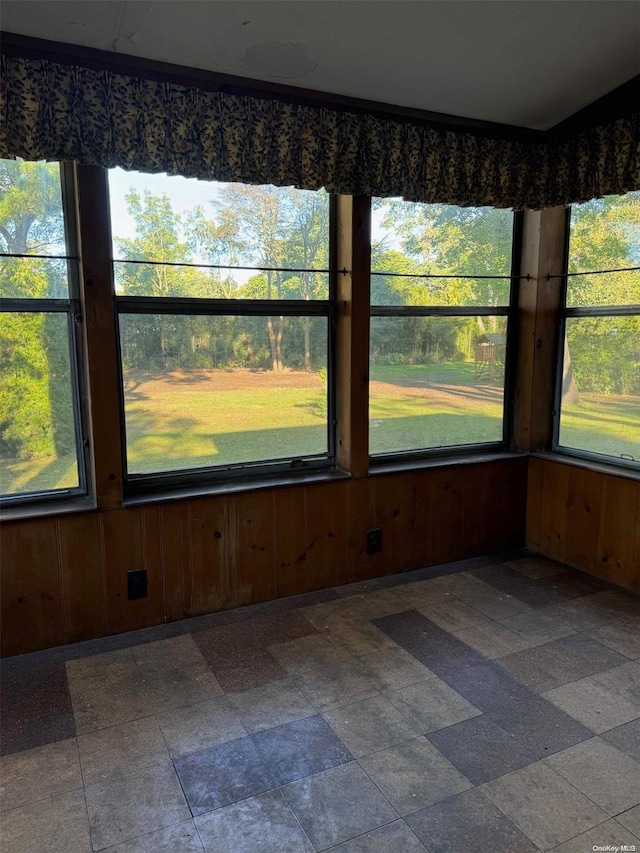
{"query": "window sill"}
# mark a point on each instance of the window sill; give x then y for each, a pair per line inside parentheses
(387, 467)
(611, 469)
(44, 509)
(164, 495)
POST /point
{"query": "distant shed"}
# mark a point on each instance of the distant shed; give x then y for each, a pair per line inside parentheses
(489, 356)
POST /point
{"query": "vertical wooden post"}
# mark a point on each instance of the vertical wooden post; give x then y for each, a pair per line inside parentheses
(539, 305)
(352, 349)
(100, 334)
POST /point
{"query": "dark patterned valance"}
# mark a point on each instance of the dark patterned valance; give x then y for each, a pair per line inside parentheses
(63, 112)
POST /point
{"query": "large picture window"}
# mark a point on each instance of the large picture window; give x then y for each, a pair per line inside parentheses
(440, 304)
(224, 305)
(41, 446)
(599, 382)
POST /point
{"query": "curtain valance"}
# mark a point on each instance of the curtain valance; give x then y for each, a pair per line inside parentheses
(56, 111)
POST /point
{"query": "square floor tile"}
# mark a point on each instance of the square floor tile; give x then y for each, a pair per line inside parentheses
(413, 775)
(166, 655)
(271, 705)
(56, 825)
(610, 835)
(238, 659)
(39, 773)
(487, 686)
(306, 653)
(607, 776)
(538, 627)
(593, 705)
(560, 662)
(360, 638)
(223, 775)
(110, 705)
(101, 670)
(522, 588)
(179, 838)
(177, 686)
(536, 567)
(626, 738)
(134, 805)
(334, 684)
(280, 627)
(19, 733)
(121, 749)
(452, 615)
(369, 725)
(631, 820)
(622, 637)
(468, 823)
(392, 669)
(543, 805)
(492, 639)
(431, 705)
(540, 726)
(301, 748)
(338, 804)
(395, 837)
(481, 749)
(201, 726)
(264, 823)
(623, 680)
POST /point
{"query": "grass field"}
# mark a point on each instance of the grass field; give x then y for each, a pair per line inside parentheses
(215, 417)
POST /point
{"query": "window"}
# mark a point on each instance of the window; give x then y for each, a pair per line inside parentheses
(224, 304)
(440, 303)
(599, 383)
(41, 447)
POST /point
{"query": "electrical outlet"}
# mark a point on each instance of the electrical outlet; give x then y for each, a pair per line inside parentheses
(137, 584)
(374, 541)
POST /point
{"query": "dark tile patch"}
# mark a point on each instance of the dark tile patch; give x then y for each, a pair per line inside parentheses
(280, 627)
(573, 584)
(35, 705)
(519, 586)
(237, 658)
(487, 686)
(481, 749)
(540, 726)
(301, 748)
(560, 662)
(223, 775)
(434, 647)
(625, 738)
(468, 823)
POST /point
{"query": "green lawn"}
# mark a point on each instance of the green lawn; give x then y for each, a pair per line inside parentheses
(188, 420)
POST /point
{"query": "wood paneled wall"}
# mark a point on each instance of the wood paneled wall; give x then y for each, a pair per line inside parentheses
(64, 578)
(585, 518)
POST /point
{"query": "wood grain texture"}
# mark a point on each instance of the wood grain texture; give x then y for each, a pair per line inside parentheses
(32, 613)
(66, 579)
(82, 576)
(586, 518)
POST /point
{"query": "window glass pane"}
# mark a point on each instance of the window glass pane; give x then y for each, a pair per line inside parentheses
(605, 234)
(174, 220)
(33, 278)
(435, 382)
(600, 410)
(37, 435)
(205, 391)
(413, 238)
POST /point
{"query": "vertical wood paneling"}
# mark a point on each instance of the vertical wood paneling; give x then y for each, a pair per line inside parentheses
(82, 571)
(123, 532)
(618, 557)
(395, 515)
(290, 540)
(584, 496)
(554, 512)
(250, 548)
(32, 614)
(439, 514)
(208, 530)
(176, 560)
(362, 517)
(153, 564)
(326, 535)
(535, 502)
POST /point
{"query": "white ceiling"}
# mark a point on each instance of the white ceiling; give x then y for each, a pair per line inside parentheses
(523, 62)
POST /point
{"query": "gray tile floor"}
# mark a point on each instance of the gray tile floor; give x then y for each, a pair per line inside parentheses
(490, 705)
